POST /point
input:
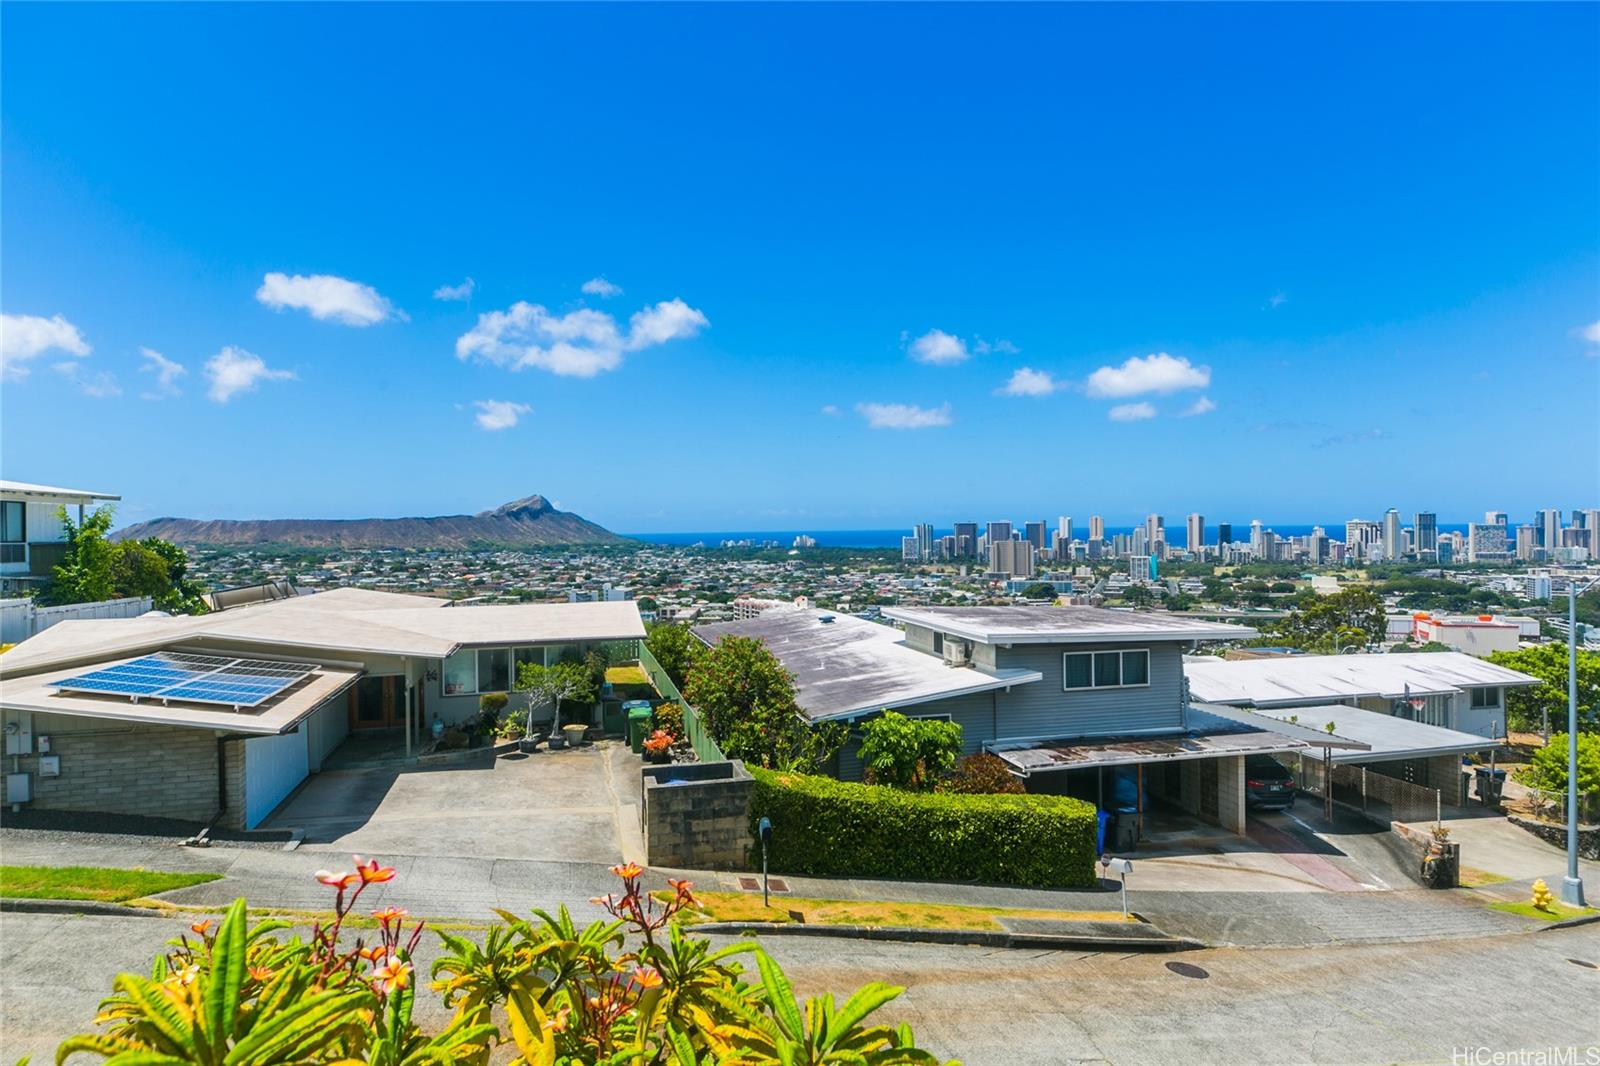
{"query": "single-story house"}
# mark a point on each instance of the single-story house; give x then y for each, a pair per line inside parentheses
(219, 717)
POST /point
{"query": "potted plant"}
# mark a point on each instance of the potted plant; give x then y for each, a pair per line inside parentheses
(551, 684)
(658, 747)
(487, 724)
(575, 732)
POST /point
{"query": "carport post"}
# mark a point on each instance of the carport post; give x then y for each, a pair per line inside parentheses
(1363, 790)
(1327, 783)
(407, 663)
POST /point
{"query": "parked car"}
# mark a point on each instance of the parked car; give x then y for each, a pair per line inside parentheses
(1267, 783)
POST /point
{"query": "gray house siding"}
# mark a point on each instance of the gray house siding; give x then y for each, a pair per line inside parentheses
(1045, 709)
(975, 714)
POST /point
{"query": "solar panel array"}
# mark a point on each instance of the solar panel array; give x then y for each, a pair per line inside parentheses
(170, 675)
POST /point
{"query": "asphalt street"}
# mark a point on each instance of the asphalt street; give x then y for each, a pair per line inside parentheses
(1355, 1003)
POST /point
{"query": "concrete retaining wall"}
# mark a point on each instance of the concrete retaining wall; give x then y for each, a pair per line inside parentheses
(1588, 835)
(697, 815)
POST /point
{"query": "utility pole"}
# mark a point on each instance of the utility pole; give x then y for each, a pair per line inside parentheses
(1572, 884)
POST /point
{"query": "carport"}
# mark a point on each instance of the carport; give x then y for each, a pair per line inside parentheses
(1199, 771)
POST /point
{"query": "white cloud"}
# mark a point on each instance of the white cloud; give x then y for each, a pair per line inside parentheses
(939, 348)
(1000, 347)
(495, 415)
(101, 385)
(457, 293)
(601, 287)
(1277, 299)
(167, 373)
(1591, 332)
(831, 410)
(326, 297)
(1131, 412)
(903, 415)
(25, 337)
(1202, 406)
(1159, 373)
(234, 370)
(580, 343)
(1030, 382)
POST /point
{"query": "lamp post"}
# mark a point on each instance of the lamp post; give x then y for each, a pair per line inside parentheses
(1572, 884)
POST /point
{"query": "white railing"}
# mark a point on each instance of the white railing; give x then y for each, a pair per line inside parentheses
(22, 618)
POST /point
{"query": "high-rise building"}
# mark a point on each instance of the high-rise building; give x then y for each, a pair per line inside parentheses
(1139, 567)
(909, 552)
(1224, 537)
(1064, 527)
(1097, 528)
(998, 531)
(1527, 542)
(966, 534)
(1392, 548)
(1013, 557)
(1426, 531)
(1496, 518)
(1033, 533)
(1550, 528)
(1195, 535)
(1317, 547)
(1269, 545)
(1155, 528)
(1255, 537)
(1486, 542)
(924, 534)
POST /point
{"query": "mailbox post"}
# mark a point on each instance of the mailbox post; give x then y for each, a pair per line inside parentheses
(764, 830)
(1121, 867)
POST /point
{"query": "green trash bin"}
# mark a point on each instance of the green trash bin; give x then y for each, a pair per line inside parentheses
(613, 722)
(639, 718)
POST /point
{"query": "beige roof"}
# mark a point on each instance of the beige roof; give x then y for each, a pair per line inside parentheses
(339, 621)
(277, 715)
(51, 492)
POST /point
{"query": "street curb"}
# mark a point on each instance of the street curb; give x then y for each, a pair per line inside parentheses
(78, 906)
(971, 937)
(1570, 923)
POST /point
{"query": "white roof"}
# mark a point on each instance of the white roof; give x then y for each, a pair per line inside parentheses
(1387, 736)
(849, 667)
(52, 492)
(338, 621)
(1063, 625)
(278, 715)
(1286, 680)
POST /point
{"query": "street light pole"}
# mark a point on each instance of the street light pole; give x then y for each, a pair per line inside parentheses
(1572, 884)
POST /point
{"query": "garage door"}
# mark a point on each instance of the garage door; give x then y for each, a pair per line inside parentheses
(273, 766)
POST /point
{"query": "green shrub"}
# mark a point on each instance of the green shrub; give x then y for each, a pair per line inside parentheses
(1548, 768)
(493, 702)
(908, 753)
(828, 828)
(669, 717)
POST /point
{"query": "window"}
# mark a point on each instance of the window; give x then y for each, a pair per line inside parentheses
(521, 657)
(461, 673)
(1486, 697)
(13, 532)
(494, 669)
(1105, 669)
(938, 643)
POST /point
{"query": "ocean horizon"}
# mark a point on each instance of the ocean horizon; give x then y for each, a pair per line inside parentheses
(890, 538)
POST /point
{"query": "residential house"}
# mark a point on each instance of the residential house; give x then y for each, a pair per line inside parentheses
(32, 538)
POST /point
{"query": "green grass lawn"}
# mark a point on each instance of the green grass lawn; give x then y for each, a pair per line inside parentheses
(746, 907)
(101, 883)
(1557, 912)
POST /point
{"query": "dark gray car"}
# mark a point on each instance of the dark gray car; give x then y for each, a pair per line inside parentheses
(1267, 783)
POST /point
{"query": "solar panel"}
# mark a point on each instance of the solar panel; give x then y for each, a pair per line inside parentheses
(171, 675)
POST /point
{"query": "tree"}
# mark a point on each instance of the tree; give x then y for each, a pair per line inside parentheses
(1039, 590)
(908, 753)
(1349, 617)
(86, 573)
(747, 701)
(675, 648)
(1180, 601)
(567, 680)
(1526, 706)
(1138, 596)
(94, 568)
(1547, 769)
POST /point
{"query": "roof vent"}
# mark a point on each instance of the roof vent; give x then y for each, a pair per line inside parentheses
(826, 619)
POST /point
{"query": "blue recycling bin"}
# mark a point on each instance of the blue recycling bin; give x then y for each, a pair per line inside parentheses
(1100, 834)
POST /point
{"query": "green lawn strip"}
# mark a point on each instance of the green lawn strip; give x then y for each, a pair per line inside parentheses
(101, 883)
(307, 917)
(746, 907)
(1557, 912)
(1471, 877)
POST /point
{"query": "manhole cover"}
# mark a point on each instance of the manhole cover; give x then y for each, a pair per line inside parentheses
(1184, 969)
(750, 884)
(1585, 965)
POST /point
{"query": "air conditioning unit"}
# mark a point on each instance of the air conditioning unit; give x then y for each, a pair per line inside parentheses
(957, 653)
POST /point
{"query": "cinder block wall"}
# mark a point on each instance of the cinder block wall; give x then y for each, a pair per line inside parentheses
(702, 823)
(125, 768)
(1444, 773)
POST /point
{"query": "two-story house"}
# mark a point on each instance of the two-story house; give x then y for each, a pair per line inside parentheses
(32, 538)
(1076, 700)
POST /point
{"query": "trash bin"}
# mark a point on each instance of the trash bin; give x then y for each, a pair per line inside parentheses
(639, 717)
(613, 721)
(1125, 830)
(1100, 837)
(1489, 783)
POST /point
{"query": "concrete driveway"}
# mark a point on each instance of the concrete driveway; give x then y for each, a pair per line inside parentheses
(570, 806)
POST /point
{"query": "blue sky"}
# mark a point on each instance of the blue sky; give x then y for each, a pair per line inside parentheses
(874, 265)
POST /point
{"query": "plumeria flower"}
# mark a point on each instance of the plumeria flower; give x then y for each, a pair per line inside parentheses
(628, 870)
(341, 880)
(393, 974)
(187, 975)
(261, 973)
(372, 873)
(603, 901)
(390, 914)
(647, 978)
(558, 1024)
(201, 928)
(374, 953)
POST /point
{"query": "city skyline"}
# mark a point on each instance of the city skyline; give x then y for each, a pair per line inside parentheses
(844, 300)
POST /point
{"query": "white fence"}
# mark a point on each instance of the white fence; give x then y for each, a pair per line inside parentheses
(22, 618)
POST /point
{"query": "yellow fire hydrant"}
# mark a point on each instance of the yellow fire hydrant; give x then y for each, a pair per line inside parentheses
(1542, 898)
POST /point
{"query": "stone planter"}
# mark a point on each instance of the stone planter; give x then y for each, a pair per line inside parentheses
(574, 734)
(1441, 866)
(528, 745)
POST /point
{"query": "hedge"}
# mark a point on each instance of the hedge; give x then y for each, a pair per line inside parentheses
(828, 828)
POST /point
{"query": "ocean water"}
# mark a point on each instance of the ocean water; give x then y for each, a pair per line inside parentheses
(890, 538)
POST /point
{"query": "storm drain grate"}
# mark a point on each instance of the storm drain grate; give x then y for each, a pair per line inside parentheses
(1185, 969)
(753, 884)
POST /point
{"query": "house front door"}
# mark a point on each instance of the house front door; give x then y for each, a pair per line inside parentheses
(377, 703)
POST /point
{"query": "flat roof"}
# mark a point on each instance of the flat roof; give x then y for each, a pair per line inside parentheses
(1386, 736)
(338, 621)
(1309, 679)
(850, 667)
(1209, 736)
(53, 492)
(278, 715)
(1059, 625)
